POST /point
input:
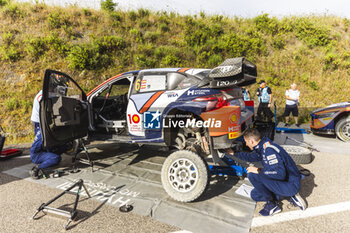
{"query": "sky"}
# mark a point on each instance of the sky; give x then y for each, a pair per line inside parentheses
(231, 8)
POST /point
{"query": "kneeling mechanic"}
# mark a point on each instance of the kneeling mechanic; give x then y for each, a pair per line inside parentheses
(279, 177)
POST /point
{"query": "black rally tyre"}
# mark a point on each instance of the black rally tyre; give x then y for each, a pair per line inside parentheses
(342, 129)
(185, 176)
(300, 155)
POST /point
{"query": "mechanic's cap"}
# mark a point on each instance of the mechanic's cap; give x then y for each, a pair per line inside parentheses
(59, 80)
(261, 81)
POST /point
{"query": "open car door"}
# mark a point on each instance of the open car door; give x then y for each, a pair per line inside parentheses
(63, 110)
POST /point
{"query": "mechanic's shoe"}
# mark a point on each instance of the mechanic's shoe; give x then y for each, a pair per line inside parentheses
(297, 200)
(270, 208)
(286, 125)
(34, 173)
(297, 125)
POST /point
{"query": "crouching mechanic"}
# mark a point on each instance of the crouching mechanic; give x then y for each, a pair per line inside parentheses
(41, 157)
(279, 177)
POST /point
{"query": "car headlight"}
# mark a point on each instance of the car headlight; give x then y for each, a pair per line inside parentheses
(324, 115)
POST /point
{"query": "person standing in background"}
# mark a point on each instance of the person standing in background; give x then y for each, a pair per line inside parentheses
(264, 94)
(246, 94)
(292, 96)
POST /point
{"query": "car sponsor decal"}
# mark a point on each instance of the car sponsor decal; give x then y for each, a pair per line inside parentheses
(233, 118)
(148, 104)
(151, 120)
(234, 129)
(233, 135)
(198, 92)
(134, 120)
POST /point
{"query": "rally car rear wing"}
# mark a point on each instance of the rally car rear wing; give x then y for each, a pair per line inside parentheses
(233, 72)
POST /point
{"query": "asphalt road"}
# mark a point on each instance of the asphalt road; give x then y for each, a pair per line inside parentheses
(326, 191)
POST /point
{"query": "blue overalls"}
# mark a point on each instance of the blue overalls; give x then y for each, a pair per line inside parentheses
(280, 176)
(43, 157)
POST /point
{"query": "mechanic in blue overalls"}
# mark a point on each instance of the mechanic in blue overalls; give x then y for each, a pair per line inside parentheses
(279, 177)
(264, 94)
(41, 157)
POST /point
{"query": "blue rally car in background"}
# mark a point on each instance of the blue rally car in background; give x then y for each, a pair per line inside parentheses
(333, 119)
(196, 111)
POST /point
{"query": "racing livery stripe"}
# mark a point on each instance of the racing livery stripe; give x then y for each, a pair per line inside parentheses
(104, 83)
(183, 70)
(148, 104)
(39, 97)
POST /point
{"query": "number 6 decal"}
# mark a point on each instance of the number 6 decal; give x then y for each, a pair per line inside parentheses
(137, 84)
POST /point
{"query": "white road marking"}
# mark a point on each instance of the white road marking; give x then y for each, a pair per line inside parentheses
(184, 231)
(294, 215)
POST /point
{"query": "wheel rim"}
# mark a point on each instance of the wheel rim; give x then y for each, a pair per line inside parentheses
(345, 131)
(183, 175)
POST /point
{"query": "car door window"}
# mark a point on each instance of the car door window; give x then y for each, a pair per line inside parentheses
(149, 83)
(60, 85)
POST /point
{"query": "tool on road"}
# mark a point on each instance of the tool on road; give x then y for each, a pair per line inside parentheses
(126, 208)
(70, 215)
(57, 173)
(305, 144)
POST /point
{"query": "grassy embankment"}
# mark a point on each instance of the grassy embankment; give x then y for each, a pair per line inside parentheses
(91, 46)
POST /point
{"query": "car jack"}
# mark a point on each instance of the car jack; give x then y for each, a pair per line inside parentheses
(70, 215)
(87, 161)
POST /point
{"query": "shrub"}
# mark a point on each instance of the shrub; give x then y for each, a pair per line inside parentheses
(115, 16)
(171, 60)
(242, 45)
(266, 24)
(87, 12)
(216, 18)
(3, 2)
(144, 23)
(332, 61)
(36, 47)
(108, 5)
(278, 42)
(142, 61)
(11, 104)
(163, 27)
(132, 15)
(163, 51)
(80, 57)
(152, 36)
(136, 34)
(143, 12)
(214, 60)
(96, 55)
(311, 34)
(10, 53)
(313, 85)
(216, 30)
(57, 44)
(196, 36)
(13, 11)
(109, 44)
(57, 20)
(8, 38)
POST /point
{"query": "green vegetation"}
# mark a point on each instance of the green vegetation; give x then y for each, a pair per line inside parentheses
(93, 45)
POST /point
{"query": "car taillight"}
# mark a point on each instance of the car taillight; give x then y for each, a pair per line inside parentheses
(214, 101)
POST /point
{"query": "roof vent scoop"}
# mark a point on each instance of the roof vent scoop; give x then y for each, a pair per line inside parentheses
(233, 72)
